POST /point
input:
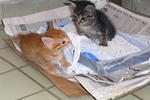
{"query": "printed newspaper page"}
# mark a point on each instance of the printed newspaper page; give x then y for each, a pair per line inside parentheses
(11, 23)
(127, 21)
(101, 92)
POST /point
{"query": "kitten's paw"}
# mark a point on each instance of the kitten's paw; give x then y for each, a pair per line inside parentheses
(52, 70)
(103, 44)
(67, 64)
(81, 33)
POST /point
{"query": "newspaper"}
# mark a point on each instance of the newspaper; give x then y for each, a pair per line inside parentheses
(127, 21)
(102, 88)
(101, 92)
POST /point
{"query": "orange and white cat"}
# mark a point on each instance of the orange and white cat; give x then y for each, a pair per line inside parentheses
(44, 48)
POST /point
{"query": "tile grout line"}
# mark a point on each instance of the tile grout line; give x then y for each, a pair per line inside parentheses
(144, 86)
(35, 93)
(46, 89)
(5, 72)
(52, 93)
(22, 72)
(50, 87)
(2, 6)
(23, 66)
(137, 96)
(31, 94)
(30, 78)
(8, 70)
(133, 91)
(124, 95)
(119, 98)
(41, 73)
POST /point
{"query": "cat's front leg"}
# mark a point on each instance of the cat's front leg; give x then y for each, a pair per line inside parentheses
(80, 32)
(103, 40)
(50, 66)
(64, 62)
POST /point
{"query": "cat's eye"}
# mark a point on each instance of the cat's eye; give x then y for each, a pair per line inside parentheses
(92, 16)
(84, 18)
(63, 42)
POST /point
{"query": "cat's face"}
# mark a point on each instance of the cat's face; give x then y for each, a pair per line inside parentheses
(56, 39)
(84, 12)
(56, 43)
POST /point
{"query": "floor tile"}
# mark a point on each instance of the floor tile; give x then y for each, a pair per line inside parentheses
(1, 27)
(12, 57)
(1, 13)
(144, 93)
(61, 95)
(3, 44)
(41, 96)
(37, 76)
(4, 66)
(14, 85)
(2, 34)
(129, 97)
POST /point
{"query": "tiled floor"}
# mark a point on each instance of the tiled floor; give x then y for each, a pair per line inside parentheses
(20, 81)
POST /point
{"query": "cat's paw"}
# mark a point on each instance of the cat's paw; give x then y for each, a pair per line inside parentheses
(103, 44)
(80, 33)
(52, 70)
(67, 64)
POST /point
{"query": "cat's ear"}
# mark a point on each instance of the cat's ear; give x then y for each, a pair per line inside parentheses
(90, 8)
(47, 42)
(51, 26)
(72, 4)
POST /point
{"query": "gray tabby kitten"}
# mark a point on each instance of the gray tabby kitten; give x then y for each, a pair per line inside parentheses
(93, 23)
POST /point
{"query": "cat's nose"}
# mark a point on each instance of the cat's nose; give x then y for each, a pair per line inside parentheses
(69, 42)
(80, 21)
